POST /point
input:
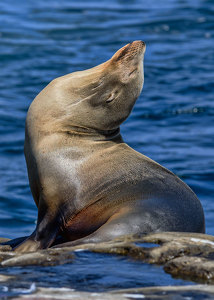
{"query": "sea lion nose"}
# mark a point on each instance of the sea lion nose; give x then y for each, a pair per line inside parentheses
(143, 43)
(139, 44)
(136, 47)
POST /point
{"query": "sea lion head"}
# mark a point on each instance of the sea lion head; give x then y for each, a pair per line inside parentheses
(101, 98)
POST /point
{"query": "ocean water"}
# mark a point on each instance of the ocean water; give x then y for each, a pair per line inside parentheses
(173, 119)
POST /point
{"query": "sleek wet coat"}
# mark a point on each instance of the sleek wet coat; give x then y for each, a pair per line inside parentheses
(87, 183)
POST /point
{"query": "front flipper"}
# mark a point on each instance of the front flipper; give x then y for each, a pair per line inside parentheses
(43, 237)
(28, 245)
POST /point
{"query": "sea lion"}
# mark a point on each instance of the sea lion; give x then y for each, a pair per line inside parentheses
(87, 183)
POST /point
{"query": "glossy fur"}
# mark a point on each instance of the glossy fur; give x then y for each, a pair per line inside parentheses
(89, 185)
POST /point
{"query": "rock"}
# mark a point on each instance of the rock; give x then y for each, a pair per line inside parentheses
(6, 255)
(179, 252)
(164, 293)
(5, 248)
(66, 293)
(41, 258)
(170, 246)
(164, 237)
(195, 268)
(169, 292)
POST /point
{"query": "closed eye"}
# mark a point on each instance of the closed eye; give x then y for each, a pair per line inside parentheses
(112, 96)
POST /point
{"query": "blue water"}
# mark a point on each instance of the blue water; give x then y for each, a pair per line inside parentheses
(173, 120)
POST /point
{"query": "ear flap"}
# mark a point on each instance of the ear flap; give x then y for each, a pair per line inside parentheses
(110, 98)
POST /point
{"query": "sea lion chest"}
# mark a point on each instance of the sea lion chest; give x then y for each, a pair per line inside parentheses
(97, 172)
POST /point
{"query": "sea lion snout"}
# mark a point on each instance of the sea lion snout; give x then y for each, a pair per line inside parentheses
(130, 51)
(138, 45)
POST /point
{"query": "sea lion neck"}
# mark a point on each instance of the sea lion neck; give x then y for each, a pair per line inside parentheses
(93, 134)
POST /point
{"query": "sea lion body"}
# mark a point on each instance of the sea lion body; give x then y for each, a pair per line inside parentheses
(87, 183)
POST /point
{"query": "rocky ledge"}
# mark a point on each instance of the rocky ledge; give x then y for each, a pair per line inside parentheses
(184, 255)
(164, 293)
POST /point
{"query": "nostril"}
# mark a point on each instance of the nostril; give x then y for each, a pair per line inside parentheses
(139, 45)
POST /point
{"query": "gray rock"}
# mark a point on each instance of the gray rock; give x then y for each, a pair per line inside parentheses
(180, 253)
(41, 258)
(66, 293)
(5, 248)
(195, 268)
(169, 292)
(164, 293)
